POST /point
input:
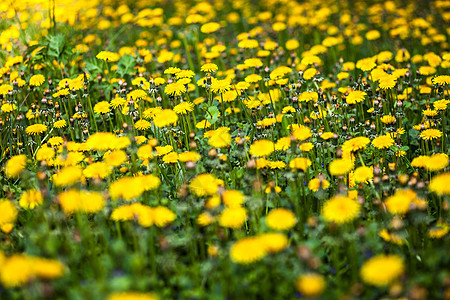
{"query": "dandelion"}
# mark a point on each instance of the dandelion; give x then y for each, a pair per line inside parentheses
(382, 270)
(262, 148)
(355, 97)
(37, 80)
(233, 217)
(383, 142)
(15, 165)
(175, 89)
(31, 199)
(311, 284)
(165, 117)
(220, 86)
(281, 219)
(439, 184)
(209, 68)
(247, 250)
(204, 185)
(108, 56)
(36, 129)
(341, 166)
(60, 124)
(101, 107)
(340, 210)
(431, 134)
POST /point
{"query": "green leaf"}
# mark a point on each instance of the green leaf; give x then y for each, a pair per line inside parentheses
(213, 115)
(126, 64)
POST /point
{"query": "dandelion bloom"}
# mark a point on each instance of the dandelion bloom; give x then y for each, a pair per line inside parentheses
(311, 284)
(132, 296)
(439, 184)
(210, 27)
(30, 199)
(281, 219)
(233, 198)
(220, 86)
(165, 117)
(127, 188)
(102, 141)
(37, 80)
(340, 166)
(142, 124)
(209, 67)
(108, 56)
(274, 242)
(175, 89)
(431, 134)
(247, 250)
(115, 158)
(204, 185)
(355, 144)
(189, 156)
(60, 124)
(36, 129)
(262, 148)
(382, 270)
(233, 217)
(15, 165)
(363, 173)
(302, 133)
(97, 170)
(73, 201)
(184, 107)
(442, 80)
(300, 163)
(436, 162)
(399, 203)
(8, 212)
(340, 210)
(355, 97)
(315, 184)
(67, 176)
(221, 138)
(101, 107)
(383, 142)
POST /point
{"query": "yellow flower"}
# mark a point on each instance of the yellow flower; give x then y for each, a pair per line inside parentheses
(175, 89)
(340, 166)
(165, 117)
(60, 124)
(36, 129)
(37, 80)
(281, 219)
(204, 185)
(108, 56)
(340, 210)
(233, 217)
(8, 213)
(233, 198)
(382, 270)
(430, 134)
(30, 199)
(301, 163)
(311, 284)
(248, 250)
(355, 97)
(15, 165)
(439, 184)
(73, 201)
(101, 107)
(209, 67)
(67, 176)
(362, 174)
(132, 296)
(210, 27)
(262, 148)
(220, 138)
(220, 86)
(315, 184)
(383, 142)
(436, 162)
(97, 170)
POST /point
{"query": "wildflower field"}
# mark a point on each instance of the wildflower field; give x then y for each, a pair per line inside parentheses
(224, 149)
